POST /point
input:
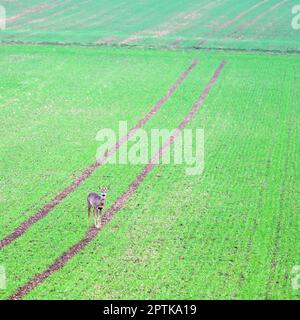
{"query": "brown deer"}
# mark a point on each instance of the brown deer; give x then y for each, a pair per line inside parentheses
(97, 202)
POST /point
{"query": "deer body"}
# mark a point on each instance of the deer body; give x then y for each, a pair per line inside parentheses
(96, 202)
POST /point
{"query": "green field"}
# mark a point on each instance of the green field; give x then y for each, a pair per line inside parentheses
(229, 233)
(250, 24)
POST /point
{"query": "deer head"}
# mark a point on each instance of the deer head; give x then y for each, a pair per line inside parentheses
(103, 193)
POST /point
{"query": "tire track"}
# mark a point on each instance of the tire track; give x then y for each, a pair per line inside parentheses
(23, 227)
(29, 12)
(250, 23)
(119, 203)
(228, 23)
(165, 29)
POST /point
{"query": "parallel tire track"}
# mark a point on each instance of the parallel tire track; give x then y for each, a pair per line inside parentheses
(22, 228)
(228, 23)
(119, 203)
(250, 23)
(139, 35)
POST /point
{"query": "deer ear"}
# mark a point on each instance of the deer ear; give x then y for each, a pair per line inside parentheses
(107, 188)
(100, 187)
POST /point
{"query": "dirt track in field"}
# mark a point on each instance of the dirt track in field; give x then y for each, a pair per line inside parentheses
(229, 22)
(30, 11)
(119, 203)
(250, 23)
(172, 25)
(20, 230)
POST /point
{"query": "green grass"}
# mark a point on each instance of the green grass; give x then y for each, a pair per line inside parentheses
(53, 103)
(180, 24)
(228, 233)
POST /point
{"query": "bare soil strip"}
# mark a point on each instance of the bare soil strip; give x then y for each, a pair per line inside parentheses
(106, 40)
(170, 26)
(129, 40)
(20, 230)
(120, 202)
(228, 23)
(250, 23)
(27, 12)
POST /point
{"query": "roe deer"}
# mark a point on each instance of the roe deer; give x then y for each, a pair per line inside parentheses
(97, 202)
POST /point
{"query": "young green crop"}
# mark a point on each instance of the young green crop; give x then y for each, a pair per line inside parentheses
(249, 25)
(228, 233)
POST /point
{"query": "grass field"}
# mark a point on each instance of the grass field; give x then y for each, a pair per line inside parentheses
(229, 233)
(226, 24)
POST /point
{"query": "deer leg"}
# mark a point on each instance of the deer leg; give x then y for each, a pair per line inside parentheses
(89, 214)
(99, 220)
(98, 225)
(95, 217)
